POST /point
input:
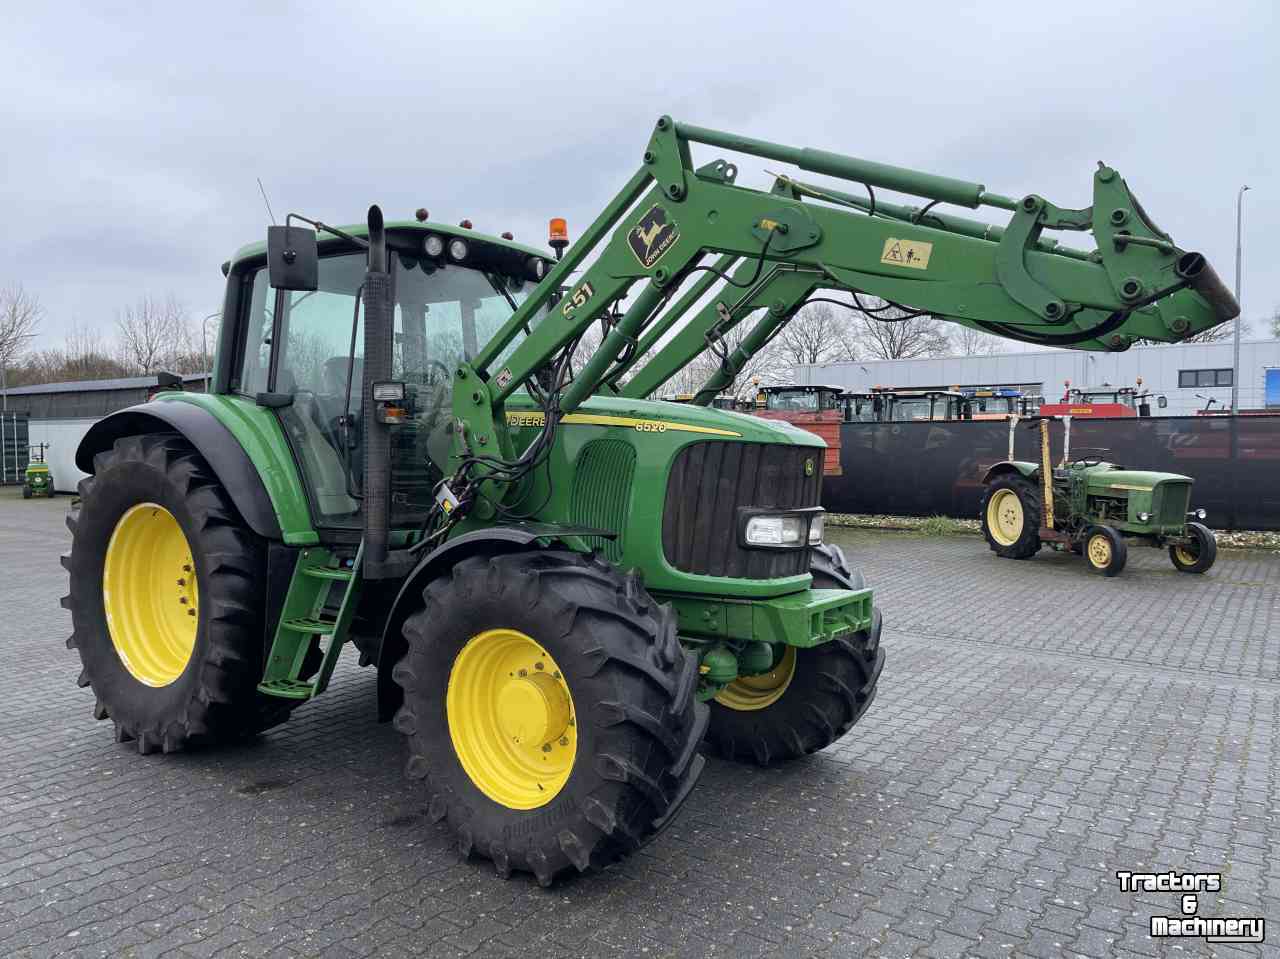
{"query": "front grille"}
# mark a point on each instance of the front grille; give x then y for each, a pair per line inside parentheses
(1171, 501)
(602, 492)
(709, 482)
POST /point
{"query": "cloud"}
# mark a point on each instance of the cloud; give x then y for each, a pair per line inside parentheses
(133, 135)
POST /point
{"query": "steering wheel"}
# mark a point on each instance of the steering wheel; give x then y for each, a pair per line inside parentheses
(347, 423)
(446, 374)
(1091, 460)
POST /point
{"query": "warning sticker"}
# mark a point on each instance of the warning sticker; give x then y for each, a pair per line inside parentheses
(912, 253)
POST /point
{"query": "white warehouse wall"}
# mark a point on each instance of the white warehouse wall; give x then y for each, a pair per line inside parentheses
(1157, 365)
(63, 436)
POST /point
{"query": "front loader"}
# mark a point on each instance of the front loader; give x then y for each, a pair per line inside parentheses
(564, 586)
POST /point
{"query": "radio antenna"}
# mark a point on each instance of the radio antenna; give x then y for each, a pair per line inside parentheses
(263, 190)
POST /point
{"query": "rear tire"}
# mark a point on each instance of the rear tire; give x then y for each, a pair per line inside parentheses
(1105, 550)
(165, 683)
(1010, 516)
(828, 688)
(1200, 554)
(629, 738)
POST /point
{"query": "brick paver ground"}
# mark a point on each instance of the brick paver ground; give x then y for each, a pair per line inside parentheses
(1037, 728)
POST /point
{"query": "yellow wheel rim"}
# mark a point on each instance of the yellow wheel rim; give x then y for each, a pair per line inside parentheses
(511, 719)
(149, 594)
(1185, 557)
(1004, 517)
(757, 692)
(1099, 551)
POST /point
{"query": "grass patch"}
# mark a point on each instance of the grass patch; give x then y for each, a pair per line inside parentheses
(930, 526)
(941, 526)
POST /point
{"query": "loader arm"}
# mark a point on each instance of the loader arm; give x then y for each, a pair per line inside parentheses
(655, 236)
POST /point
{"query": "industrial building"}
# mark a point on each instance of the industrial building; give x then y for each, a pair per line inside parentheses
(59, 414)
(1190, 375)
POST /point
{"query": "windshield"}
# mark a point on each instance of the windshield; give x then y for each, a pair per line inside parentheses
(993, 404)
(860, 410)
(443, 315)
(793, 401)
(914, 408)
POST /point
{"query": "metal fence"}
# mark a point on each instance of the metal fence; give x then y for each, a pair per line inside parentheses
(13, 448)
(927, 469)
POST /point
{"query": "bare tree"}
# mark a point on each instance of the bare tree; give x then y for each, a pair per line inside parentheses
(20, 314)
(767, 365)
(1223, 331)
(152, 332)
(816, 334)
(966, 341)
(1274, 323)
(890, 333)
(86, 356)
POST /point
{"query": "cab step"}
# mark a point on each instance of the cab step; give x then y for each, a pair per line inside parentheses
(287, 689)
(307, 622)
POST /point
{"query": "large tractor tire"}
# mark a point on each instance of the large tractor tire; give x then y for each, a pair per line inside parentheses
(166, 599)
(1010, 515)
(550, 710)
(812, 697)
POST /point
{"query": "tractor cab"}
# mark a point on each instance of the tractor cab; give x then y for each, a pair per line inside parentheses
(801, 399)
(303, 353)
(862, 407)
(992, 403)
(907, 406)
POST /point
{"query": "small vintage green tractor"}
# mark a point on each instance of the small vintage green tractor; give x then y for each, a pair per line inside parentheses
(37, 481)
(1093, 507)
(564, 586)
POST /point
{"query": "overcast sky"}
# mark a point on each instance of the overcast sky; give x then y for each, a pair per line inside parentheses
(132, 133)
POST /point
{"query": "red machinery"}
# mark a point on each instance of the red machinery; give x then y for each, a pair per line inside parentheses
(1103, 401)
(818, 409)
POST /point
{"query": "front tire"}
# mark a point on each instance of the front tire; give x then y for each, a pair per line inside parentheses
(1105, 550)
(550, 709)
(1010, 515)
(166, 600)
(1197, 556)
(812, 696)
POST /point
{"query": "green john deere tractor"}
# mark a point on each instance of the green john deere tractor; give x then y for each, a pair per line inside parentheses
(37, 480)
(563, 585)
(1093, 507)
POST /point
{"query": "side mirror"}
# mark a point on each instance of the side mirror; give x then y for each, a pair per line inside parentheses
(293, 259)
(1162, 402)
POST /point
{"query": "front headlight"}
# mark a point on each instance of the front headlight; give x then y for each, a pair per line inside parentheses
(815, 530)
(1144, 517)
(774, 531)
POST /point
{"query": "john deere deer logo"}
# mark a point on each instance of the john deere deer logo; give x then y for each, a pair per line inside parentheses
(652, 236)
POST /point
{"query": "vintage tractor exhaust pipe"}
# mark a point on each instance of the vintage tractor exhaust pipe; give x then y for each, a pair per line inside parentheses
(378, 322)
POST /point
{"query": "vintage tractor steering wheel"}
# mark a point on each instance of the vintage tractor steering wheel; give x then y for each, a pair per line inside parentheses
(1092, 460)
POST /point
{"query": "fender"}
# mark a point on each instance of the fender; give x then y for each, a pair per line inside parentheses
(226, 457)
(1029, 470)
(492, 541)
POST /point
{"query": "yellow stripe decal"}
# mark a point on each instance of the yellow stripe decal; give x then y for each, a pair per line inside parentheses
(640, 426)
(1136, 489)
